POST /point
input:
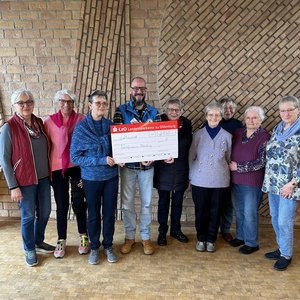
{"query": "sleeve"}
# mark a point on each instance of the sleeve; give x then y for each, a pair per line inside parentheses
(5, 157)
(157, 117)
(193, 148)
(254, 165)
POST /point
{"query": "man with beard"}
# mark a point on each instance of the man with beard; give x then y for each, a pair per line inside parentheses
(136, 111)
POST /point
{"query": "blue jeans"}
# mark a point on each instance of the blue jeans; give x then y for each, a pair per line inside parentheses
(128, 190)
(35, 211)
(246, 201)
(61, 187)
(163, 210)
(283, 211)
(105, 194)
(226, 212)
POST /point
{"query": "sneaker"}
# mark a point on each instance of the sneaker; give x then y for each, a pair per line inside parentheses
(248, 250)
(200, 246)
(282, 263)
(84, 244)
(148, 247)
(44, 248)
(210, 247)
(111, 255)
(274, 255)
(179, 236)
(126, 247)
(94, 257)
(30, 258)
(236, 243)
(60, 249)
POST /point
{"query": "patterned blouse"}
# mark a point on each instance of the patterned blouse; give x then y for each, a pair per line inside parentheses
(283, 164)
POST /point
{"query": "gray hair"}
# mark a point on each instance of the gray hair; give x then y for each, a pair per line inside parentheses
(16, 94)
(291, 99)
(175, 101)
(228, 99)
(257, 109)
(213, 105)
(65, 92)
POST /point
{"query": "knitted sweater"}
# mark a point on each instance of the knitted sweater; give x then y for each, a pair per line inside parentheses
(89, 149)
(209, 159)
(250, 156)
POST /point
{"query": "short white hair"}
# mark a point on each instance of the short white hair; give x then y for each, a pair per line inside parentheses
(65, 92)
(16, 94)
(257, 109)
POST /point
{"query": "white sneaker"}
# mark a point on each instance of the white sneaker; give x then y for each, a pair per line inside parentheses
(60, 249)
(84, 244)
(210, 247)
(200, 246)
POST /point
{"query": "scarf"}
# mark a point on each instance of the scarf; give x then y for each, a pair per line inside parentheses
(33, 130)
(281, 134)
(65, 135)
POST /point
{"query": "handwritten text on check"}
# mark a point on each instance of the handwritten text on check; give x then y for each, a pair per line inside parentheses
(144, 141)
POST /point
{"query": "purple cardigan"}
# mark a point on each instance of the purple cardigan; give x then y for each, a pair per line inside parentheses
(250, 155)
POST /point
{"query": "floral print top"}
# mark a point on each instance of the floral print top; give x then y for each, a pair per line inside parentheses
(283, 164)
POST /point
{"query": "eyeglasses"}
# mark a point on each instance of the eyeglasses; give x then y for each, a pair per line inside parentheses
(99, 103)
(137, 88)
(214, 115)
(27, 103)
(282, 111)
(175, 110)
(68, 102)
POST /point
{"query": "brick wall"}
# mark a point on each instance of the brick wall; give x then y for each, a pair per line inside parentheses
(195, 50)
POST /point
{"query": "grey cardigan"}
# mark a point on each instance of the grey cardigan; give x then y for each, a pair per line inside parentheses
(209, 159)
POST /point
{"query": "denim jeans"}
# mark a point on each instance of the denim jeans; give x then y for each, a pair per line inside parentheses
(207, 212)
(246, 201)
(101, 196)
(163, 210)
(226, 212)
(129, 177)
(61, 185)
(35, 210)
(283, 211)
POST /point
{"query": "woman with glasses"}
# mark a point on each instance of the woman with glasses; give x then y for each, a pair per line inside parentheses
(171, 176)
(60, 127)
(24, 155)
(91, 150)
(209, 157)
(282, 178)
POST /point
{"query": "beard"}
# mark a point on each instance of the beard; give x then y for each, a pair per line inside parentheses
(138, 102)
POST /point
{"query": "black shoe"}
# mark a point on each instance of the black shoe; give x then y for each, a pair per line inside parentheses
(236, 243)
(227, 236)
(282, 263)
(248, 250)
(274, 255)
(161, 239)
(179, 236)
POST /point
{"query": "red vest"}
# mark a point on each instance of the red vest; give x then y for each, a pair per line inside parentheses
(22, 154)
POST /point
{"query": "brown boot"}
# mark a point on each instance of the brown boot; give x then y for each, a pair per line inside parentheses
(148, 247)
(126, 247)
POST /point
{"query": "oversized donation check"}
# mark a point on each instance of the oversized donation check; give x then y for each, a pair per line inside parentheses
(144, 141)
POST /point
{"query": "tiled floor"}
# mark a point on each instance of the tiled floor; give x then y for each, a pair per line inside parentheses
(176, 271)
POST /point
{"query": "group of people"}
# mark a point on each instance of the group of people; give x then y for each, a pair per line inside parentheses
(227, 165)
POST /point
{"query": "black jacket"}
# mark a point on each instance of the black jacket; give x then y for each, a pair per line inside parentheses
(175, 176)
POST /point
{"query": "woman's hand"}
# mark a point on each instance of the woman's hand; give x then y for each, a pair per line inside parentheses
(16, 195)
(287, 190)
(169, 160)
(110, 161)
(233, 166)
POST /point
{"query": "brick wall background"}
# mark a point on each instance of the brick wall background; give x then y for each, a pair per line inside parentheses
(195, 50)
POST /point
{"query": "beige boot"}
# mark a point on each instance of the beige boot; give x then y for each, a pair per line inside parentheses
(148, 247)
(126, 247)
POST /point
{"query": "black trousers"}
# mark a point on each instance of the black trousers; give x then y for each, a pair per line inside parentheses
(207, 212)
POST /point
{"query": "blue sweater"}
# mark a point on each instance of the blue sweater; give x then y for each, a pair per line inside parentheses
(89, 149)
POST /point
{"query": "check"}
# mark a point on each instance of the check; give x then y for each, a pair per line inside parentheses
(144, 141)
